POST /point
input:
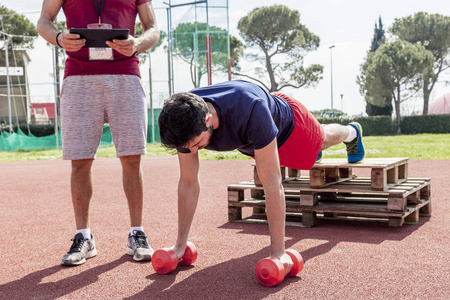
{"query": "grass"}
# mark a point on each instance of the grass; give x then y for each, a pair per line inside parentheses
(420, 146)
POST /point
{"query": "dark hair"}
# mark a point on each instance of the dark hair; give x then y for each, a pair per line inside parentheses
(182, 118)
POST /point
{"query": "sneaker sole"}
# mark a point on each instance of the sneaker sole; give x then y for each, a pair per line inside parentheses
(131, 253)
(90, 254)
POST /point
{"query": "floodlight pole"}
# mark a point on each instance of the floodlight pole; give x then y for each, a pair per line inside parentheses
(342, 102)
(228, 44)
(208, 47)
(55, 86)
(331, 57)
(8, 39)
(152, 136)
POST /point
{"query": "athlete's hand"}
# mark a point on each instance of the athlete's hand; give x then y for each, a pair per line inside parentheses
(178, 251)
(286, 260)
(125, 47)
(70, 41)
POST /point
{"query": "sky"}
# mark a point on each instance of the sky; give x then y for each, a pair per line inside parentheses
(346, 24)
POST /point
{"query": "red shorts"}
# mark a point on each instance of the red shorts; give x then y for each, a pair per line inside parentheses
(303, 145)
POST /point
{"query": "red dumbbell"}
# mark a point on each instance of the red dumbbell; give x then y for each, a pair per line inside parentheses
(165, 260)
(270, 271)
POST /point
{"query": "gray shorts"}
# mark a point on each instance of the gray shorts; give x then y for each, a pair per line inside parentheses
(89, 101)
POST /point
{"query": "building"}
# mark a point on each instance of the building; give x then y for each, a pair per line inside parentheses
(19, 95)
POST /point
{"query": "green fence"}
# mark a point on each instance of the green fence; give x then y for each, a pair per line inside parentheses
(18, 140)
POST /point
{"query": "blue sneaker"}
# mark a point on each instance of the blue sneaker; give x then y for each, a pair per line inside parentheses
(355, 148)
(319, 157)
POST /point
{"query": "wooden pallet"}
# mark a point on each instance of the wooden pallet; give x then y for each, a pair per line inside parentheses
(400, 203)
(384, 171)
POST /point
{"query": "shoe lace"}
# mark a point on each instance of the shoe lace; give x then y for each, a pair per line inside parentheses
(140, 239)
(352, 147)
(77, 245)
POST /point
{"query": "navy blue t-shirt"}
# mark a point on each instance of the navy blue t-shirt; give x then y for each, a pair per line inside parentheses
(249, 116)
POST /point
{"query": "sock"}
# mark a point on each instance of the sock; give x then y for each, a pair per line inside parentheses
(85, 232)
(351, 133)
(136, 228)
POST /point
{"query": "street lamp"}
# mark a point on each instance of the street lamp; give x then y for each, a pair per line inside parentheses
(331, 58)
(342, 102)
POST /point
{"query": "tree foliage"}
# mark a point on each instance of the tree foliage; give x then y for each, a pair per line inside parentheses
(432, 31)
(281, 42)
(189, 38)
(18, 25)
(20, 28)
(395, 70)
(378, 35)
(138, 30)
(384, 105)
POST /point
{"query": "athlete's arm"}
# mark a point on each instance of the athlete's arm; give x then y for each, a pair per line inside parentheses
(268, 166)
(188, 192)
(47, 29)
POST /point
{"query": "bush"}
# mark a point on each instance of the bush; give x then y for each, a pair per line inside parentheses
(426, 124)
(380, 125)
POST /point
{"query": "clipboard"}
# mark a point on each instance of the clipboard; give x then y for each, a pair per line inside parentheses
(98, 37)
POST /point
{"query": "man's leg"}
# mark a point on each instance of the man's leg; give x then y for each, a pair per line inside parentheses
(127, 117)
(83, 246)
(334, 134)
(82, 116)
(351, 135)
(134, 191)
(81, 189)
(133, 187)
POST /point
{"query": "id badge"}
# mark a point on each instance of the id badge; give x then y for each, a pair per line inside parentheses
(100, 53)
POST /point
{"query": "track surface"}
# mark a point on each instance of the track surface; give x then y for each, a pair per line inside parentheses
(343, 260)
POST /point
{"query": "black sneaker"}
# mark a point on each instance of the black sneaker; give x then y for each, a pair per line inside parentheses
(80, 250)
(138, 246)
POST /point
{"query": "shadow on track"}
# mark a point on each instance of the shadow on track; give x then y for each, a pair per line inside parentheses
(233, 279)
(31, 286)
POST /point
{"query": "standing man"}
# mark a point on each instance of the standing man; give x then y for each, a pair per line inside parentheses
(102, 85)
(275, 129)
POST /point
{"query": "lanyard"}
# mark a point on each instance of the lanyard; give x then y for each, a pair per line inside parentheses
(99, 9)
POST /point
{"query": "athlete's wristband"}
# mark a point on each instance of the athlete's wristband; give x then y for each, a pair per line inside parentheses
(57, 42)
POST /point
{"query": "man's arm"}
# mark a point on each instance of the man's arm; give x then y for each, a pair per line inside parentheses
(47, 29)
(268, 166)
(146, 40)
(188, 192)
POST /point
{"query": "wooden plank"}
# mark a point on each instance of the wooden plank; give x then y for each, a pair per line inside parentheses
(412, 218)
(235, 196)
(257, 194)
(308, 198)
(332, 174)
(414, 198)
(345, 172)
(234, 213)
(425, 210)
(392, 175)
(403, 171)
(366, 163)
(293, 173)
(395, 203)
(378, 179)
(316, 178)
(309, 218)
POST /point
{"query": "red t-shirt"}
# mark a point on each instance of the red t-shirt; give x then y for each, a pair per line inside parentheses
(118, 13)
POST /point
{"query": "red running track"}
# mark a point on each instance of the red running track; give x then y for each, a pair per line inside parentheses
(343, 260)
